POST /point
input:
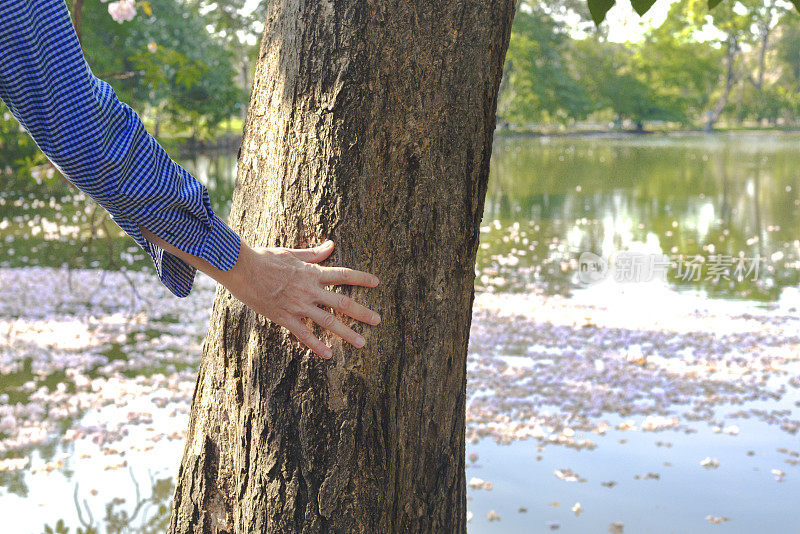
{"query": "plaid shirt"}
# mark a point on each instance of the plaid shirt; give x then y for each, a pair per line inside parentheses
(100, 145)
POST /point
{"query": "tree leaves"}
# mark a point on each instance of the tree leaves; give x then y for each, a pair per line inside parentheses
(642, 6)
(540, 85)
(599, 8)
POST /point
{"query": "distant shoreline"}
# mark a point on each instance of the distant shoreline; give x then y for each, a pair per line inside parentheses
(186, 146)
(509, 133)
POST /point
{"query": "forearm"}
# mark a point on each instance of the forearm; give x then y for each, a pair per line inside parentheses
(223, 277)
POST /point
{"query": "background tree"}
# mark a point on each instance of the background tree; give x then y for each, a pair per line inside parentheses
(734, 29)
(788, 52)
(609, 73)
(539, 85)
(675, 67)
(765, 18)
(788, 62)
(165, 62)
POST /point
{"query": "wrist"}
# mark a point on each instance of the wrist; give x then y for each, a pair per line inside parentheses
(225, 277)
(241, 270)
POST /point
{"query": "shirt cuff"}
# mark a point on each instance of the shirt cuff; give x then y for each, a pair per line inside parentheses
(219, 247)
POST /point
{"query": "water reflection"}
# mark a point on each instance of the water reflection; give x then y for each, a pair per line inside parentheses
(144, 515)
(95, 381)
(726, 196)
(732, 195)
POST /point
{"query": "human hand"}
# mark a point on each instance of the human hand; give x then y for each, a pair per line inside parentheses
(286, 285)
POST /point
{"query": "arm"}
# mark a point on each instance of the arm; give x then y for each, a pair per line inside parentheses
(100, 145)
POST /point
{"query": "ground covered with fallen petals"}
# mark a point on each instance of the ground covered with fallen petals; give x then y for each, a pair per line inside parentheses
(598, 412)
(633, 409)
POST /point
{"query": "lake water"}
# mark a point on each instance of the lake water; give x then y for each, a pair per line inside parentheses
(633, 350)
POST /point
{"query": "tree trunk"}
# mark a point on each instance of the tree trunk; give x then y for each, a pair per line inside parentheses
(77, 15)
(370, 123)
(770, 14)
(245, 69)
(762, 55)
(714, 114)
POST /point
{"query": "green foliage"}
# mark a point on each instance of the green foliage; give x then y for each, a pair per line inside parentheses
(599, 8)
(552, 78)
(18, 153)
(736, 64)
(677, 68)
(166, 61)
(163, 69)
(788, 52)
(642, 6)
(60, 528)
(609, 72)
(538, 83)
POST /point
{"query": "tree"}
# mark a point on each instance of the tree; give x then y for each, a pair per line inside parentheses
(761, 98)
(608, 72)
(787, 56)
(676, 67)
(735, 29)
(538, 84)
(766, 15)
(788, 52)
(164, 59)
(370, 123)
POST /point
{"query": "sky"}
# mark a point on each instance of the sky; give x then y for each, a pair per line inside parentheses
(624, 24)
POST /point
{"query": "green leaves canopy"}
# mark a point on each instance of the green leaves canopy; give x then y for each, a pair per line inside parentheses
(599, 8)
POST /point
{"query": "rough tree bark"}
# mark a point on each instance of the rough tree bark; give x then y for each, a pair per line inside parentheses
(371, 123)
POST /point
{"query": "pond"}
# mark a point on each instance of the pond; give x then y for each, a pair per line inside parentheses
(635, 333)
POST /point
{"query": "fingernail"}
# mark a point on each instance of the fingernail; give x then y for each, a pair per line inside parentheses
(327, 353)
(360, 341)
(374, 280)
(376, 318)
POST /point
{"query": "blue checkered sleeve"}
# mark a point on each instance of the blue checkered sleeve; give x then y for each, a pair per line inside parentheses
(100, 144)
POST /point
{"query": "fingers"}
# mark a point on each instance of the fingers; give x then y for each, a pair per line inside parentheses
(308, 339)
(334, 276)
(313, 254)
(329, 322)
(349, 307)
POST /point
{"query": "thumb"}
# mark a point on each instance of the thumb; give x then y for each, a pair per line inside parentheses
(313, 254)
